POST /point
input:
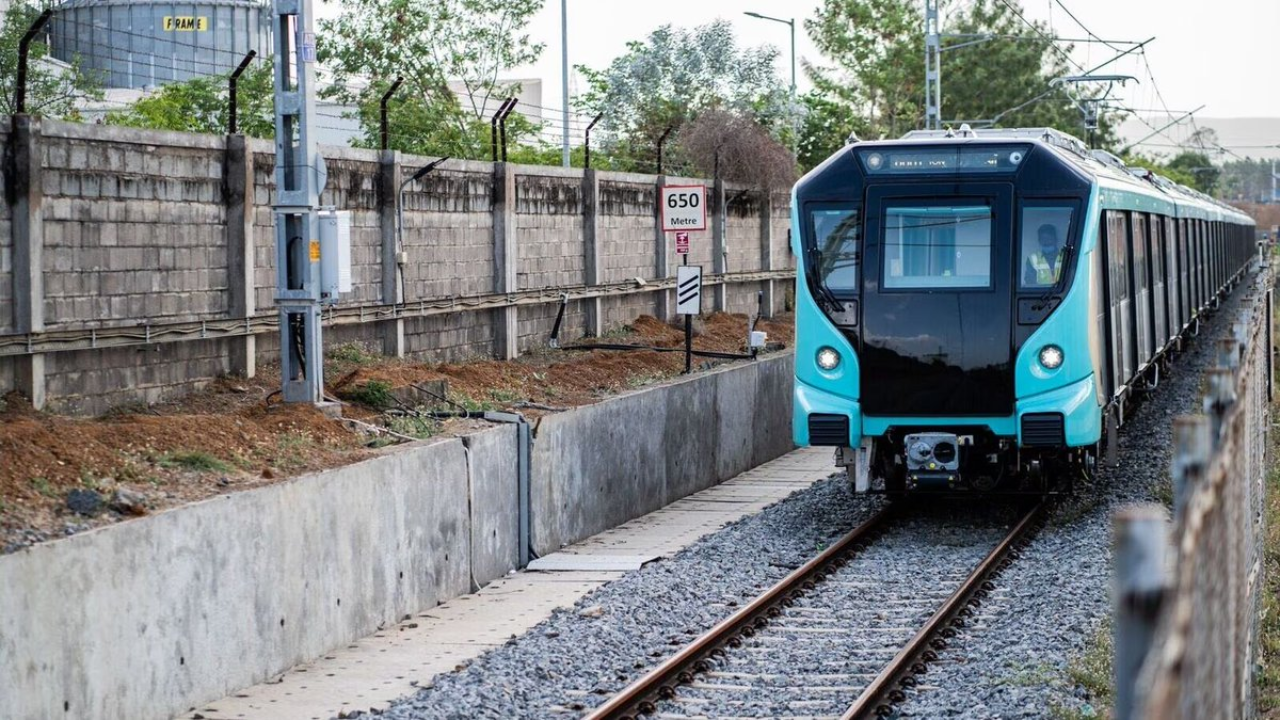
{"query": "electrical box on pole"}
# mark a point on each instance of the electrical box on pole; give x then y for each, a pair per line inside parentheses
(300, 177)
(932, 67)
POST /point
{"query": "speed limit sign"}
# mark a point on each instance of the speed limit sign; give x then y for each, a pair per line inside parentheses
(684, 207)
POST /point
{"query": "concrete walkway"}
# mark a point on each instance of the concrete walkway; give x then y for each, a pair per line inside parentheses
(372, 672)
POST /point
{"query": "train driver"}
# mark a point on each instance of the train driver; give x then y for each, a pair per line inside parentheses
(1044, 267)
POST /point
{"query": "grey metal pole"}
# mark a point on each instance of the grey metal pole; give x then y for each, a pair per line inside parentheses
(564, 77)
(795, 117)
(1139, 543)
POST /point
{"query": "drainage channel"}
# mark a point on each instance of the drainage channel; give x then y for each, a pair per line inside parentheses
(846, 634)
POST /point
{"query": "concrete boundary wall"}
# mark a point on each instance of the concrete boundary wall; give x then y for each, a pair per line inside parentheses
(110, 234)
(150, 617)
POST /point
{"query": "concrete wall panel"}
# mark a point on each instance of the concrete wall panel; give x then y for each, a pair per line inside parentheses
(495, 508)
(147, 618)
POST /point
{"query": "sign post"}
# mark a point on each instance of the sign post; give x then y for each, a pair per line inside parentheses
(684, 209)
(688, 304)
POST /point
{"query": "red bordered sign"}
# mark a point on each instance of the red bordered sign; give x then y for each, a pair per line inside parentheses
(684, 207)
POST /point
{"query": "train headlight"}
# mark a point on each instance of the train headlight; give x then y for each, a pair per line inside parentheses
(828, 358)
(1051, 357)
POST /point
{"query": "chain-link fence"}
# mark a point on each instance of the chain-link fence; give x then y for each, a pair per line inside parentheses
(1186, 609)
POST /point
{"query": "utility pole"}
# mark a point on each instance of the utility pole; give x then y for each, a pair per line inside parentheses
(1275, 188)
(932, 67)
(795, 115)
(564, 76)
(300, 176)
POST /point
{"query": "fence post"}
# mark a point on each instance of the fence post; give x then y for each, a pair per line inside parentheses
(506, 259)
(27, 211)
(662, 254)
(1192, 445)
(233, 94)
(389, 171)
(1219, 398)
(24, 48)
(238, 184)
(719, 256)
(766, 249)
(593, 265)
(1139, 546)
(383, 124)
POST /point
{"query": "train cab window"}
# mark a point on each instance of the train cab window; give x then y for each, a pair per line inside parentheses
(1043, 242)
(837, 233)
(937, 247)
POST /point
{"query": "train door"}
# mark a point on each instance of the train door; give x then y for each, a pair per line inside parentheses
(1159, 306)
(1119, 324)
(1141, 289)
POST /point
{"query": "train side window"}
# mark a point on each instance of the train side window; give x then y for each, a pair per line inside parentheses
(1045, 231)
(1118, 255)
(838, 233)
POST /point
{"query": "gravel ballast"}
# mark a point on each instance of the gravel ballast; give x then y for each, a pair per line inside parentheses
(1010, 662)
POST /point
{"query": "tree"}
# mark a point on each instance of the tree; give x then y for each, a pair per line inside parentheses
(876, 73)
(737, 148)
(203, 105)
(51, 90)
(429, 43)
(1246, 180)
(1204, 175)
(1156, 166)
(674, 75)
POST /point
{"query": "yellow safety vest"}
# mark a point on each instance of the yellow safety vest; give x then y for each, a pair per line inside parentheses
(1045, 274)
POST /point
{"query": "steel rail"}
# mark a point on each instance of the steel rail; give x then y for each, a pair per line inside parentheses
(886, 688)
(640, 697)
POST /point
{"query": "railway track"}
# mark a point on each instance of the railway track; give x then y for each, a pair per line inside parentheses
(844, 635)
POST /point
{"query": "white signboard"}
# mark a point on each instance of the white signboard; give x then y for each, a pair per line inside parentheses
(688, 290)
(684, 207)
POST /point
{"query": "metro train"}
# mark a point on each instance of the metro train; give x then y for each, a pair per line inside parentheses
(975, 310)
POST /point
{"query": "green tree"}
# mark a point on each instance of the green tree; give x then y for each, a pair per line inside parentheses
(51, 91)
(672, 76)
(875, 76)
(1156, 166)
(1246, 180)
(429, 43)
(202, 105)
(1203, 173)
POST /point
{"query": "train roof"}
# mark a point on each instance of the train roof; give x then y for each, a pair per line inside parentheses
(1121, 186)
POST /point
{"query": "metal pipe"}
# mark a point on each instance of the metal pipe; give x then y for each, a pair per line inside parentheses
(564, 78)
(493, 127)
(386, 96)
(586, 144)
(24, 46)
(662, 140)
(502, 124)
(233, 95)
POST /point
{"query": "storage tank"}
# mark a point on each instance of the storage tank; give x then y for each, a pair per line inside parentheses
(142, 43)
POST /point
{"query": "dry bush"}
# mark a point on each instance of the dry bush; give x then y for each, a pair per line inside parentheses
(740, 149)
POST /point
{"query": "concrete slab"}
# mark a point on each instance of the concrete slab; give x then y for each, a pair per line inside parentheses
(376, 670)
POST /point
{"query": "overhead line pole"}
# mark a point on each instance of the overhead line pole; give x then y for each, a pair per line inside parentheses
(795, 124)
(564, 77)
(932, 67)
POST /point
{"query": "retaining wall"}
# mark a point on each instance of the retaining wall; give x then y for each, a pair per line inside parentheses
(147, 618)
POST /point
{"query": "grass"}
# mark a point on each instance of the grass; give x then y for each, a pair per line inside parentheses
(1093, 672)
(42, 486)
(194, 460)
(469, 404)
(353, 353)
(375, 394)
(1268, 661)
(412, 425)
(504, 395)
(645, 378)
(292, 450)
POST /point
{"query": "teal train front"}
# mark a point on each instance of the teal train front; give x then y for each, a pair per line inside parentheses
(976, 311)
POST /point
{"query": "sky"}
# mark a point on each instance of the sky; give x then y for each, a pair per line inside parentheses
(1216, 53)
(1220, 54)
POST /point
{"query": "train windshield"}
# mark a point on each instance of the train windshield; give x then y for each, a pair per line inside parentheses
(1043, 244)
(937, 247)
(838, 234)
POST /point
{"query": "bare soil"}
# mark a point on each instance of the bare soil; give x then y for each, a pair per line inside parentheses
(235, 434)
